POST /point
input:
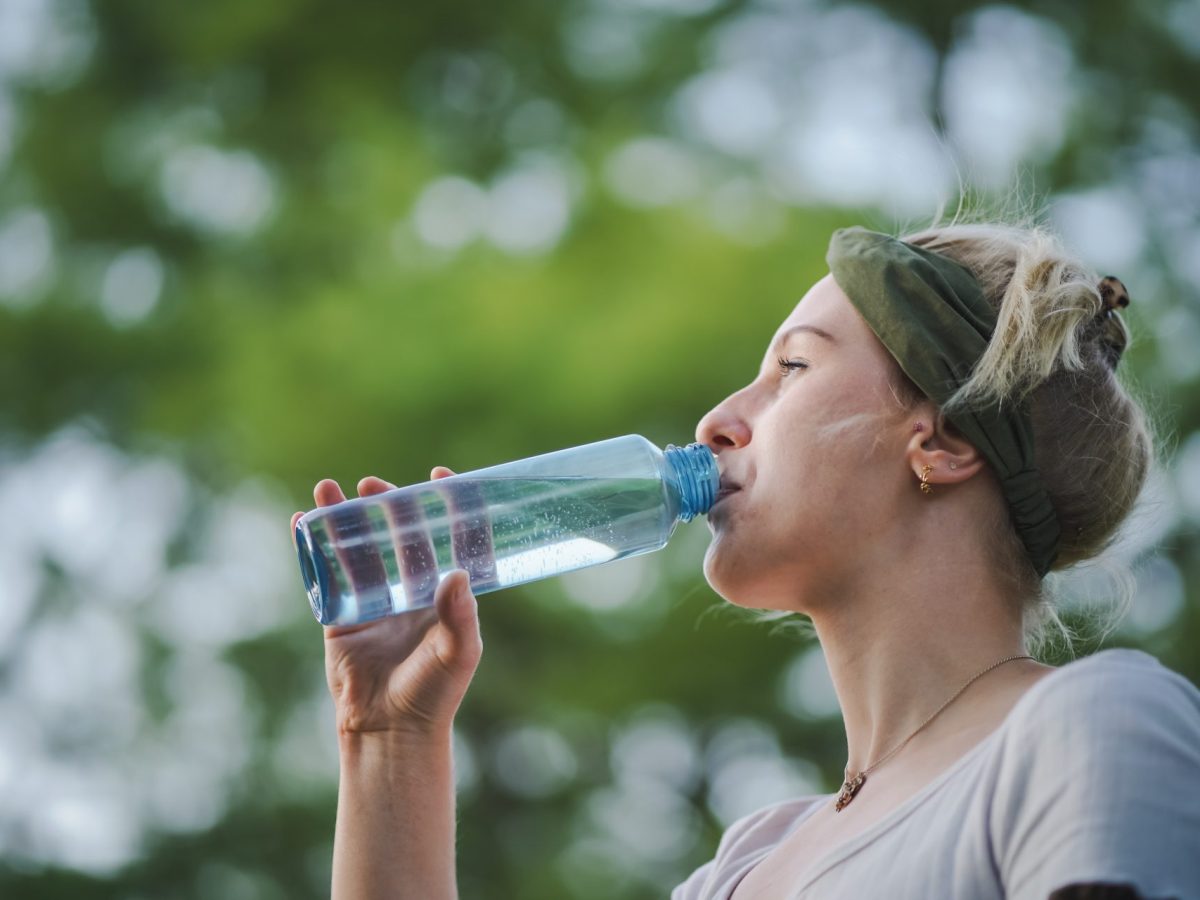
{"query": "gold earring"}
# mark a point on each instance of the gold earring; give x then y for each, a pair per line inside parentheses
(926, 487)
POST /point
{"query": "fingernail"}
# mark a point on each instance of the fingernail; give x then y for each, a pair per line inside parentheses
(465, 585)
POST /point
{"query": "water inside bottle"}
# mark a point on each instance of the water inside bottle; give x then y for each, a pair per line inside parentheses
(386, 554)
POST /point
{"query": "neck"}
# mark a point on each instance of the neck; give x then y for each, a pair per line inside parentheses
(898, 649)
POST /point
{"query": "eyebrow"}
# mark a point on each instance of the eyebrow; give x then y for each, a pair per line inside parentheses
(777, 347)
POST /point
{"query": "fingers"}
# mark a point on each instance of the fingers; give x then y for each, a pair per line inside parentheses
(458, 611)
(373, 485)
(292, 529)
(328, 492)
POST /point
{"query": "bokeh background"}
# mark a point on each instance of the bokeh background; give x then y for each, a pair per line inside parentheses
(248, 245)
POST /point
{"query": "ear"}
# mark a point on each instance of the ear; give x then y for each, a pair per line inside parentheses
(939, 444)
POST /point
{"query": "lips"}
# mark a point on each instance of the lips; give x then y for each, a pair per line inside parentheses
(727, 487)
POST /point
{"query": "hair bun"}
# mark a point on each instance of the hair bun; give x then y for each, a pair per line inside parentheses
(1111, 330)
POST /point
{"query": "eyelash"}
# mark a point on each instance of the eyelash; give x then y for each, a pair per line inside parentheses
(786, 365)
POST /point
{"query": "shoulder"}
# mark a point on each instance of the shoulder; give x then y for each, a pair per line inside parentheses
(1098, 779)
(1119, 715)
(1111, 692)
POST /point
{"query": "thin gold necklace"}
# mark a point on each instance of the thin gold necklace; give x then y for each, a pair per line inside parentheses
(853, 783)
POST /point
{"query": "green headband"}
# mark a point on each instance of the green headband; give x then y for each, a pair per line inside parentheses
(931, 315)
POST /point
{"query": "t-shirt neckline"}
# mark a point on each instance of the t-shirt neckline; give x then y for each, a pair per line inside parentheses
(837, 854)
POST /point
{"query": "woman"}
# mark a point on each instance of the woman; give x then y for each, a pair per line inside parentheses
(935, 427)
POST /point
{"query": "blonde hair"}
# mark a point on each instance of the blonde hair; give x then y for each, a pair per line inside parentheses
(1093, 441)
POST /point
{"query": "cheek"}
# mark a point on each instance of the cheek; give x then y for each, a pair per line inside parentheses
(840, 420)
(819, 461)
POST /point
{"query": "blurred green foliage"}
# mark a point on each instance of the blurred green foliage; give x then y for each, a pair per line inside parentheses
(271, 159)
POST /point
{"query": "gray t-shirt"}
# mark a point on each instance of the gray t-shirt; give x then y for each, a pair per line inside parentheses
(1094, 776)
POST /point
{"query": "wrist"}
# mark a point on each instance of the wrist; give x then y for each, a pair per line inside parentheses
(397, 744)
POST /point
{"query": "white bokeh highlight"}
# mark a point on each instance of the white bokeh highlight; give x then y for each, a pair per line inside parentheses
(450, 212)
(45, 42)
(26, 256)
(734, 110)
(1186, 476)
(86, 768)
(606, 44)
(1161, 594)
(613, 586)
(525, 211)
(656, 746)
(219, 192)
(747, 771)
(529, 208)
(650, 172)
(806, 688)
(1008, 92)
(1106, 226)
(533, 761)
(132, 285)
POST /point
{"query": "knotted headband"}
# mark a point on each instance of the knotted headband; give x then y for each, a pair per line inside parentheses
(931, 315)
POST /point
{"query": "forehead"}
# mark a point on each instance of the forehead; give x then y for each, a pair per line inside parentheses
(825, 306)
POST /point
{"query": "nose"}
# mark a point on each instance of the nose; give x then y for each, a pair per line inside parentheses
(723, 427)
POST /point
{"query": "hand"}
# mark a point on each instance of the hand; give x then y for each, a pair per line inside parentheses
(404, 674)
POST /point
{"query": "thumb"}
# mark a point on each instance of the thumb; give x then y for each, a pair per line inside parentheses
(458, 613)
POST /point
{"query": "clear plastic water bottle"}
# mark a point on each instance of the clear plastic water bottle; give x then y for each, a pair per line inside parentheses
(376, 556)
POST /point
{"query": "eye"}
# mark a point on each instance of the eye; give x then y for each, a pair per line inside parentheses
(786, 365)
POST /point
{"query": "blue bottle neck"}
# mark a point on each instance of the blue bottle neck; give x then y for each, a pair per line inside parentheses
(695, 470)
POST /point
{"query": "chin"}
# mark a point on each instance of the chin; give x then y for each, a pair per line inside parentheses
(734, 583)
(750, 581)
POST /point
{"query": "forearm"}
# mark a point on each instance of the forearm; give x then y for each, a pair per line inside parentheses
(395, 819)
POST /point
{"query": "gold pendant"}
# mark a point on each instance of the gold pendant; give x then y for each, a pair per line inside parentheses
(850, 789)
